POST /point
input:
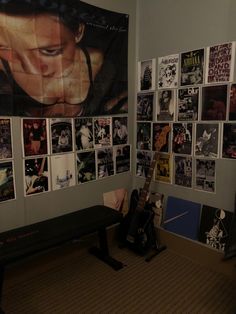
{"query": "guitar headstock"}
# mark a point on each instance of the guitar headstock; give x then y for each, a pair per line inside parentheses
(162, 138)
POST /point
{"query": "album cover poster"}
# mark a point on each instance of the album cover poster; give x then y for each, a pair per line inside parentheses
(229, 141)
(163, 168)
(86, 166)
(63, 171)
(5, 138)
(220, 63)
(120, 130)
(166, 103)
(7, 181)
(36, 175)
(145, 103)
(105, 162)
(143, 163)
(35, 136)
(146, 75)
(182, 138)
(232, 102)
(122, 158)
(84, 133)
(207, 140)
(156, 200)
(157, 130)
(143, 136)
(102, 132)
(61, 135)
(205, 175)
(183, 171)
(214, 227)
(117, 199)
(214, 102)
(192, 67)
(168, 70)
(188, 104)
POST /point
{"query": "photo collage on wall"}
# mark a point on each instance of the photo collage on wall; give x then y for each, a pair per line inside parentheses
(195, 95)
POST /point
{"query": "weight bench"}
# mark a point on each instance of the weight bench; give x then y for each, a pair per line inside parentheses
(25, 241)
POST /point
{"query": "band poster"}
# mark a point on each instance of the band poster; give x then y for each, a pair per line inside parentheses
(183, 171)
(147, 75)
(207, 140)
(168, 69)
(85, 77)
(145, 104)
(163, 168)
(166, 103)
(61, 135)
(7, 181)
(5, 138)
(188, 103)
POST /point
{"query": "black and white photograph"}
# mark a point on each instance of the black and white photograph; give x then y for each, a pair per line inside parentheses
(143, 163)
(145, 106)
(5, 138)
(229, 141)
(207, 140)
(188, 104)
(182, 138)
(143, 136)
(7, 181)
(119, 130)
(86, 166)
(166, 103)
(122, 158)
(205, 175)
(84, 133)
(146, 75)
(168, 71)
(102, 132)
(183, 171)
(156, 133)
(61, 135)
(105, 162)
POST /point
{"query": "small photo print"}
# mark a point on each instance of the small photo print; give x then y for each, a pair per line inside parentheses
(163, 169)
(7, 181)
(86, 166)
(168, 69)
(229, 141)
(207, 140)
(61, 135)
(192, 67)
(37, 175)
(143, 136)
(102, 132)
(158, 131)
(146, 75)
(182, 138)
(105, 162)
(35, 136)
(145, 103)
(63, 171)
(205, 176)
(120, 130)
(5, 138)
(84, 133)
(188, 104)
(232, 103)
(143, 163)
(183, 171)
(122, 158)
(214, 102)
(166, 102)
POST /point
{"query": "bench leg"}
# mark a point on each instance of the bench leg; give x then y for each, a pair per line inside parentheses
(103, 252)
(1, 286)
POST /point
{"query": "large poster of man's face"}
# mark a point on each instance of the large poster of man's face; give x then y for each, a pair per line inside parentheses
(62, 58)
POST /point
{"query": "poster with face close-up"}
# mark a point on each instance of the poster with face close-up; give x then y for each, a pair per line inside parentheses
(62, 58)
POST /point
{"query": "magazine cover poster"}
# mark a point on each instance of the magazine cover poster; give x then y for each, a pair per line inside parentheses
(143, 136)
(89, 78)
(220, 63)
(192, 67)
(214, 102)
(183, 171)
(146, 75)
(205, 175)
(35, 136)
(7, 181)
(145, 103)
(61, 135)
(120, 130)
(229, 141)
(5, 138)
(163, 168)
(232, 102)
(207, 140)
(182, 138)
(157, 132)
(102, 132)
(86, 166)
(63, 171)
(122, 158)
(105, 162)
(168, 70)
(143, 163)
(188, 104)
(84, 133)
(214, 227)
(117, 199)
(166, 103)
(36, 175)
